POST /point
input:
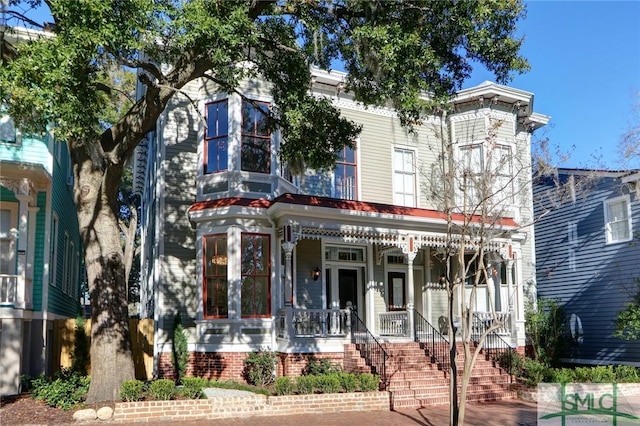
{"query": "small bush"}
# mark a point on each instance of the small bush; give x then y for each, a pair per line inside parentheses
(260, 368)
(131, 390)
(626, 374)
(317, 367)
(162, 389)
(328, 383)
(192, 387)
(534, 372)
(306, 384)
(66, 391)
(561, 375)
(180, 352)
(369, 382)
(284, 386)
(348, 381)
(511, 361)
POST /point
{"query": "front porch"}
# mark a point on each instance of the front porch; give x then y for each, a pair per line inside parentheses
(295, 325)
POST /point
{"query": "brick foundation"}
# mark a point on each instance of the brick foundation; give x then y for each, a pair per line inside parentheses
(230, 365)
(258, 405)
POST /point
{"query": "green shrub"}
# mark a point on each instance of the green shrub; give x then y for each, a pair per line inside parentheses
(534, 372)
(626, 374)
(260, 368)
(284, 386)
(348, 381)
(328, 383)
(192, 387)
(81, 348)
(162, 389)
(131, 390)
(317, 367)
(369, 382)
(602, 374)
(561, 375)
(180, 353)
(511, 361)
(306, 384)
(66, 391)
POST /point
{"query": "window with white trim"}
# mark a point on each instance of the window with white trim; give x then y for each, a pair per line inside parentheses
(485, 172)
(404, 178)
(617, 218)
(8, 222)
(216, 138)
(345, 183)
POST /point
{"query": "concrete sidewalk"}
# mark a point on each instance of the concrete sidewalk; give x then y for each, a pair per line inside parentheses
(501, 413)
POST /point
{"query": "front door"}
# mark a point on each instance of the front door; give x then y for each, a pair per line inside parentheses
(342, 287)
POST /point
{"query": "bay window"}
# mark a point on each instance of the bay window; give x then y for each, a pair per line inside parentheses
(255, 275)
(215, 293)
(217, 137)
(485, 174)
(255, 148)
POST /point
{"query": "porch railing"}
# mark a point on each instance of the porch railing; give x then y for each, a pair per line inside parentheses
(436, 344)
(495, 347)
(16, 293)
(313, 322)
(369, 347)
(8, 290)
(393, 323)
(483, 320)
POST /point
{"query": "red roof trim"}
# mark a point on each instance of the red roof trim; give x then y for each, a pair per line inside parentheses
(335, 203)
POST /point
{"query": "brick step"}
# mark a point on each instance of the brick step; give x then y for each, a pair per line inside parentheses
(443, 389)
(443, 399)
(426, 383)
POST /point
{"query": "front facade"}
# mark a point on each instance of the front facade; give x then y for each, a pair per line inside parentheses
(258, 255)
(587, 252)
(40, 252)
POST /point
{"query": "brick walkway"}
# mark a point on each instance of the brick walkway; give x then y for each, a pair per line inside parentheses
(503, 413)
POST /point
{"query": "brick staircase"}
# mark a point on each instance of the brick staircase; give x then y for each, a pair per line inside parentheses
(415, 381)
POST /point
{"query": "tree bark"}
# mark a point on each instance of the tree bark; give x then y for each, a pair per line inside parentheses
(95, 193)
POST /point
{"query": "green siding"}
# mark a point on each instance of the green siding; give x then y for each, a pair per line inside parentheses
(62, 204)
(40, 248)
(33, 151)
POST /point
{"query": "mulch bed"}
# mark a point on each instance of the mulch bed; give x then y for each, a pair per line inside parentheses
(24, 410)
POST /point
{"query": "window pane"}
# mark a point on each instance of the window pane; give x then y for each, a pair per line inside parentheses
(5, 223)
(619, 230)
(256, 154)
(217, 119)
(215, 280)
(617, 211)
(256, 272)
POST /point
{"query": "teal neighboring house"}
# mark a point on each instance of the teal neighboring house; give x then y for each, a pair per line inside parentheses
(40, 250)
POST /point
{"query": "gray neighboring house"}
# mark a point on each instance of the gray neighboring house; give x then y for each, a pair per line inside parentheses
(588, 258)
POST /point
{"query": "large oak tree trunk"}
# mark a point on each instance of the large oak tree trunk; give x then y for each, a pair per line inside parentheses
(95, 193)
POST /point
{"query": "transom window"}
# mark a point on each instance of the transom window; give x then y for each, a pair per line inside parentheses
(617, 220)
(256, 138)
(345, 175)
(217, 137)
(215, 276)
(404, 191)
(255, 275)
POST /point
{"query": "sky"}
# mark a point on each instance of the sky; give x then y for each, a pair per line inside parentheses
(585, 74)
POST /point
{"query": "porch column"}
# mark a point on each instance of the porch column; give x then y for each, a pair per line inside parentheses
(410, 297)
(23, 234)
(288, 275)
(30, 256)
(512, 320)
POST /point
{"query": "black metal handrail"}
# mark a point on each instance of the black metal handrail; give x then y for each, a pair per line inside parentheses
(374, 354)
(495, 347)
(436, 344)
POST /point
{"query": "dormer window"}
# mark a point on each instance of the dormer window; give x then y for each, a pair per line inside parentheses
(217, 137)
(256, 138)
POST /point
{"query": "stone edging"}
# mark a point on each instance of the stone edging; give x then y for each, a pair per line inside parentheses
(246, 406)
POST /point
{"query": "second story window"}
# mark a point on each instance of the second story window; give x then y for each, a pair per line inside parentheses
(256, 138)
(617, 218)
(345, 175)
(485, 174)
(217, 137)
(404, 178)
